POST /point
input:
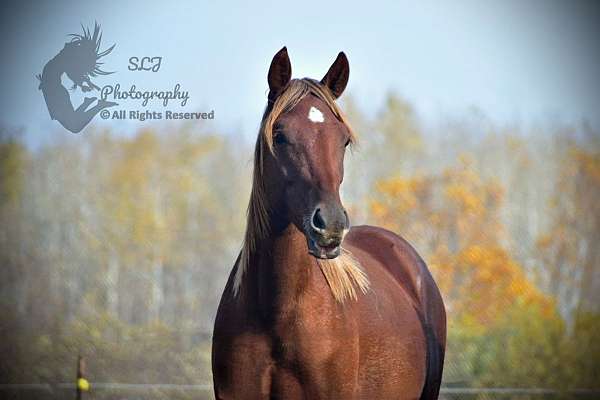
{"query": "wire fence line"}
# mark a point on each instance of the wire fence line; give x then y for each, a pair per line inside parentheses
(208, 387)
(105, 386)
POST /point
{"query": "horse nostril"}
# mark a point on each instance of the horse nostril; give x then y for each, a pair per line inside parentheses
(317, 221)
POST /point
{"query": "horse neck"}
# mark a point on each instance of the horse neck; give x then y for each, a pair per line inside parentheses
(284, 269)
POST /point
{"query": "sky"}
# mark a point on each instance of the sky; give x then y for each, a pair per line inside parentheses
(513, 60)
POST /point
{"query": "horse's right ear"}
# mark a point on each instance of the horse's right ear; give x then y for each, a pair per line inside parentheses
(280, 74)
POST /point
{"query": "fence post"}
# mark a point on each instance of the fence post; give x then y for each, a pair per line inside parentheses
(81, 384)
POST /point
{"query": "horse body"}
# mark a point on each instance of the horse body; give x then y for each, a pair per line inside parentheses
(285, 337)
(282, 330)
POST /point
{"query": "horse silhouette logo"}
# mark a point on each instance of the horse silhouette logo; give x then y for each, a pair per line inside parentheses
(80, 61)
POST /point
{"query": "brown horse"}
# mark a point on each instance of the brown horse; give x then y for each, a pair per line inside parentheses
(313, 309)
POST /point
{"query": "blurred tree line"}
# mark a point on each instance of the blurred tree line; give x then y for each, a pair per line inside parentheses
(119, 246)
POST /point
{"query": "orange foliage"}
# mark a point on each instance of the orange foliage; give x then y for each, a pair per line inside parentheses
(452, 218)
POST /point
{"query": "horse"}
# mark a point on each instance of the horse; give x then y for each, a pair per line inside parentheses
(314, 309)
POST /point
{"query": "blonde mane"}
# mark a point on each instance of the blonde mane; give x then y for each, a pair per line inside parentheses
(343, 273)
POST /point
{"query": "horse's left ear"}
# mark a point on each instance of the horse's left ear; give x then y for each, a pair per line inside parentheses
(336, 78)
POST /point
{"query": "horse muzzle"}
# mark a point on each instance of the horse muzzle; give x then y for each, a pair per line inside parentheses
(328, 225)
(324, 249)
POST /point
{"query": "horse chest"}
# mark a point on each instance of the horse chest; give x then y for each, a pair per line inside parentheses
(310, 332)
(315, 352)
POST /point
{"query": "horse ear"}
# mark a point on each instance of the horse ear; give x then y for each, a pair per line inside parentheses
(336, 78)
(280, 73)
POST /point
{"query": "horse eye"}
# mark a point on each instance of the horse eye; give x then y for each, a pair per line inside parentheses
(280, 138)
(347, 143)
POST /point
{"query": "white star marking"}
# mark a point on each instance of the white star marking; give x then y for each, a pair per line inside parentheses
(315, 115)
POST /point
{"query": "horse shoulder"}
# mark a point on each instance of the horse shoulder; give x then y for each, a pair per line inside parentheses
(402, 261)
(241, 349)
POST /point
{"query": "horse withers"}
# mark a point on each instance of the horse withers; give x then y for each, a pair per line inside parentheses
(314, 309)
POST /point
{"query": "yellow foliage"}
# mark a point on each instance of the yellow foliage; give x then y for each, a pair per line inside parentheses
(589, 162)
(465, 199)
(453, 219)
(12, 163)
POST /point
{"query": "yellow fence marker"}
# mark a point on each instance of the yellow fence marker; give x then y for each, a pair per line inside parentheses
(83, 384)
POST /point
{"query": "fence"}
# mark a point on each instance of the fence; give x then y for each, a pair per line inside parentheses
(127, 391)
